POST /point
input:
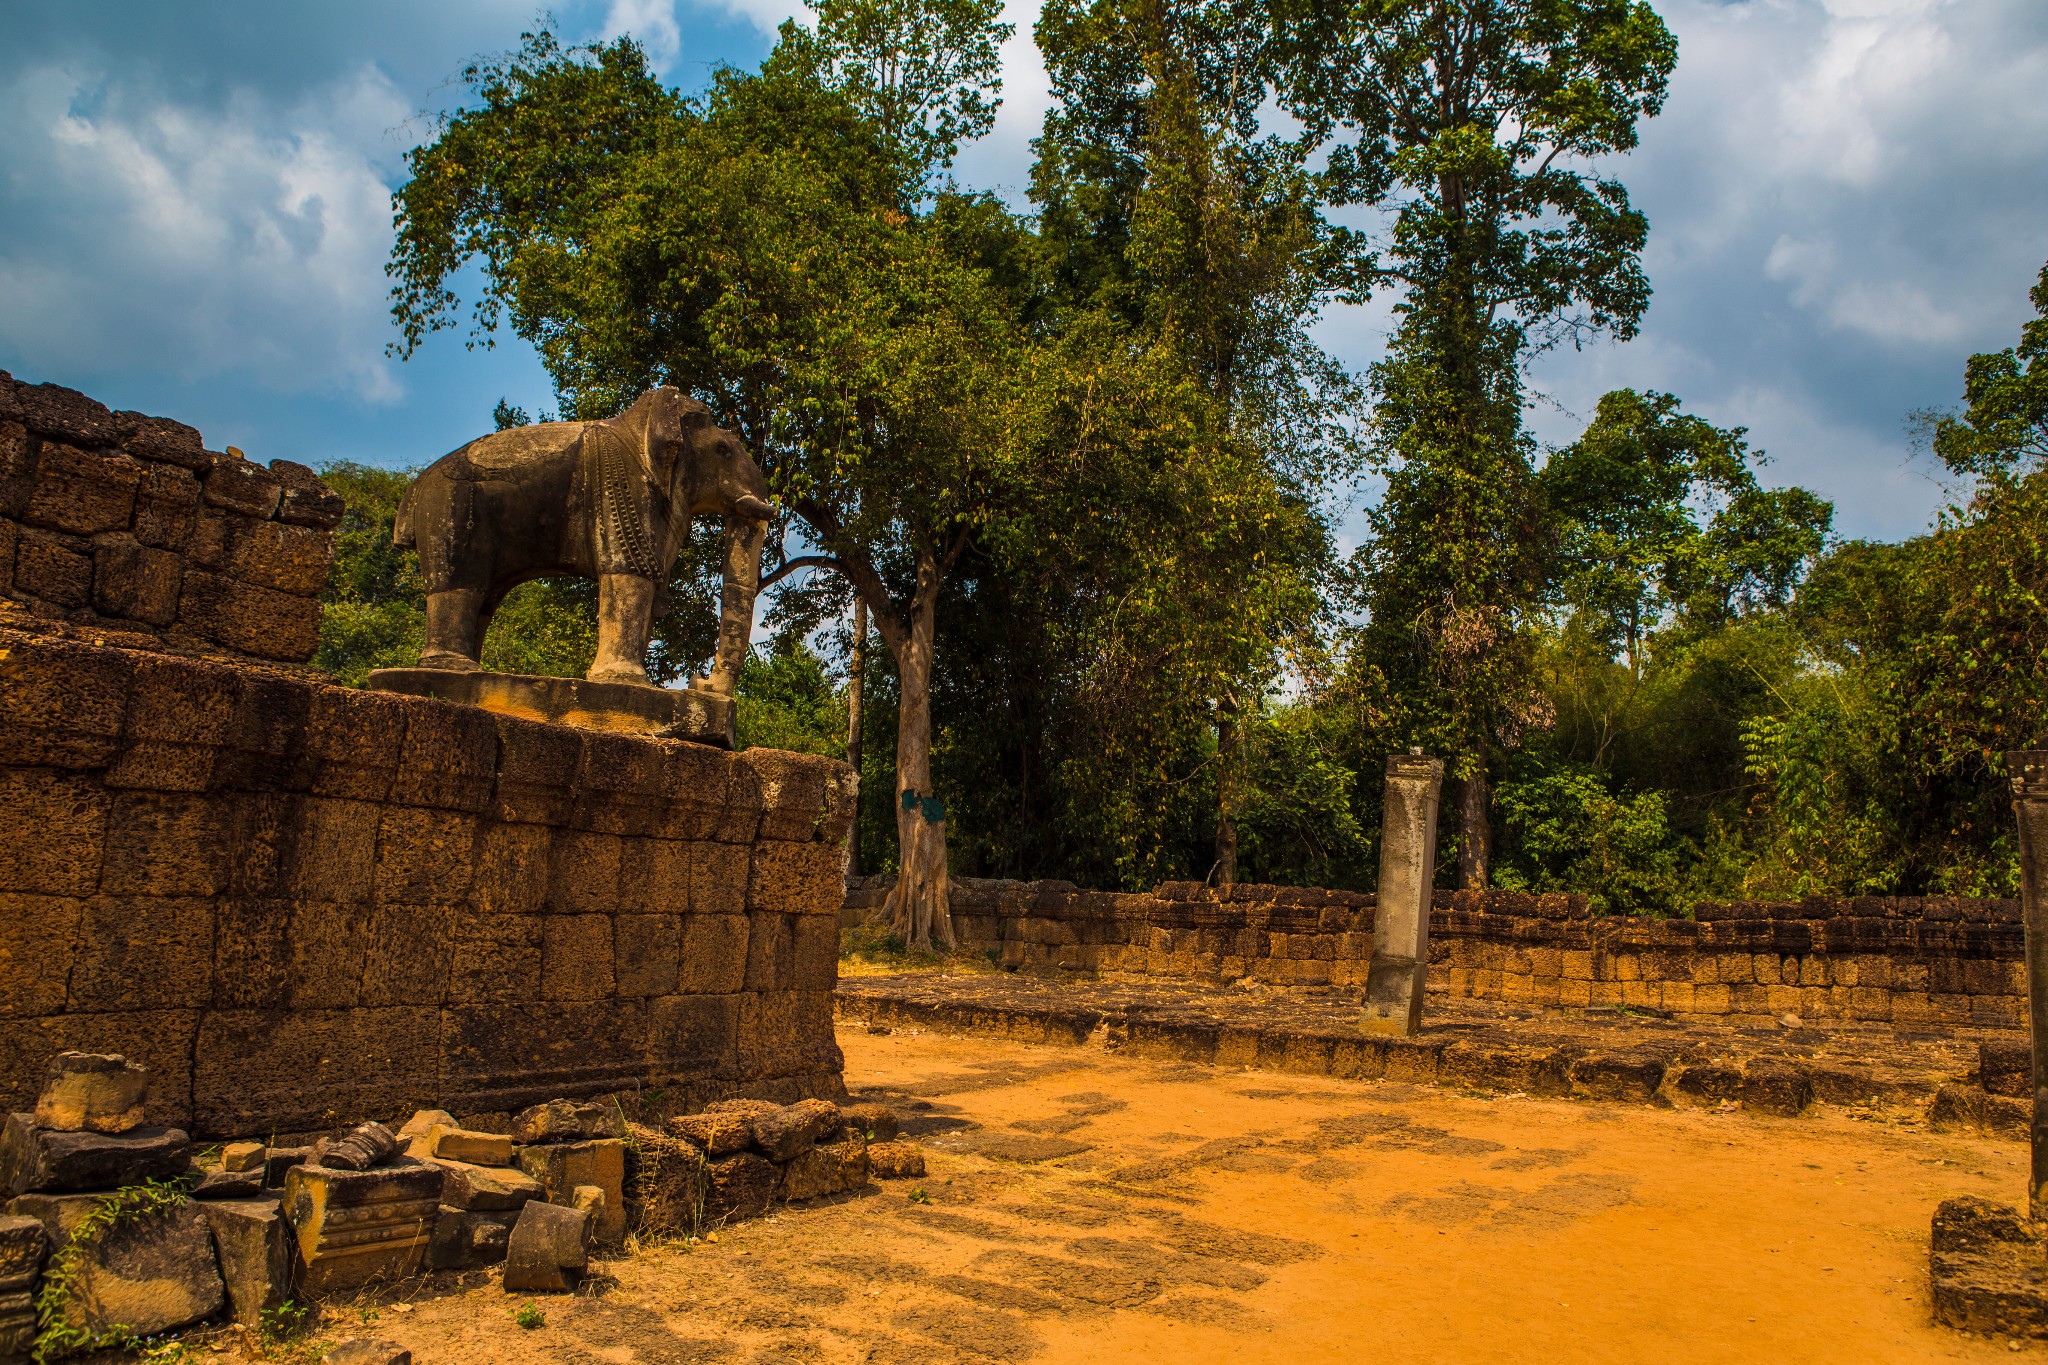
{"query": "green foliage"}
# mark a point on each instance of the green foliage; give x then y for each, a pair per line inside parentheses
(786, 700)
(530, 1315)
(373, 614)
(55, 1336)
(1565, 831)
(2004, 429)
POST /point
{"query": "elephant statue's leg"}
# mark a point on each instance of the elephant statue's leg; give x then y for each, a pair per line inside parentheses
(454, 630)
(625, 616)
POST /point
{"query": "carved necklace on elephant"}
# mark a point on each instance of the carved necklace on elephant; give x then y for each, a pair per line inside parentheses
(620, 512)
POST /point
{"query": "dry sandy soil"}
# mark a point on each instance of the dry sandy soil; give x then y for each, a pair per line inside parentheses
(1085, 1207)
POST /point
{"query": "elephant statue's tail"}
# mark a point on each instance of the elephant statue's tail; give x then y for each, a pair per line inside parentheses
(401, 525)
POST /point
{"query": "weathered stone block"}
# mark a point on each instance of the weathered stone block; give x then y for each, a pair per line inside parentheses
(243, 1156)
(37, 934)
(832, 1168)
(567, 1121)
(449, 756)
(468, 1239)
(468, 1147)
(497, 1188)
(17, 469)
(793, 791)
(584, 873)
(179, 714)
(410, 949)
(139, 953)
(718, 1134)
(55, 568)
(771, 952)
(511, 869)
(242, 486)
(548, 1250)
(353, 1227)
(132, 580)
(353, 743)
(505, 1056)
(646, 953)
(739, 1187)
(497, 959)
(654, 876)
(66, 415)
(718, 878)
(561, 1167)
(254, 1245)
(815, 953)
(425, 857)
(576, 957)
(92, 1091)
(58, 1214)
(797, 879)
(82, 491)
(875, 1122)
(306, 500)
(254, 620)
(713, 954)
(166, 504)
(271, 554)
(56, 827)
(23, 1244)
(536, 776)
(783, 1134)
(61, 705)
(165, 845)
(896, 1160)
(143, 1275)
(300, 1069)
(35, 1159)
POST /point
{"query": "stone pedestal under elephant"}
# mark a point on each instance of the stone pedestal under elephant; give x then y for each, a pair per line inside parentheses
(609, 500)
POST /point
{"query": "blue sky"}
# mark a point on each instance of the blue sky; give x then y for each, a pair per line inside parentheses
(1846, 198)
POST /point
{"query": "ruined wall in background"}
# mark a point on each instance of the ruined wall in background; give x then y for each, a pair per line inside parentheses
(128, 523)
(1902, 960)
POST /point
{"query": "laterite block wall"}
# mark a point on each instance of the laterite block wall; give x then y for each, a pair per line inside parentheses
(1901, 960)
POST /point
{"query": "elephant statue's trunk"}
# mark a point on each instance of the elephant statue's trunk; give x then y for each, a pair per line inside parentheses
(744, 537)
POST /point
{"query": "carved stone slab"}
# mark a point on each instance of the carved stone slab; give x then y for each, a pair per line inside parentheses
(623, 708)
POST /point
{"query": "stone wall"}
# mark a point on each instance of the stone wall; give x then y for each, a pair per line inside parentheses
(1902, 960)
(124, 522)
(299, 904)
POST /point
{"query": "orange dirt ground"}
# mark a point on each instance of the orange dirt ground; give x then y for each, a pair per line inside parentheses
(1084, 1207)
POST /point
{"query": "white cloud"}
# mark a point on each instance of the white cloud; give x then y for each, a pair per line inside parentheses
(765, 15)
(164, 236)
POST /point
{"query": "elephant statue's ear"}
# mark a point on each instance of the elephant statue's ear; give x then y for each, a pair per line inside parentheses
(670, 420)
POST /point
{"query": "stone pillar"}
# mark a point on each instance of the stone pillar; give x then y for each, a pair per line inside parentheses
(2029, 770)
(1400, 940)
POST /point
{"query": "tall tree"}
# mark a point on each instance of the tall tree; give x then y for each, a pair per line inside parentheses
(2003, 430)
(1477, 127)
(1167, 205)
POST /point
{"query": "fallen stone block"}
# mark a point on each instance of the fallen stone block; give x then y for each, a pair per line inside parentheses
(1781, 1090)
(744, 1108)
(590, 1199)
(362, 1147)
(875, 1122)
(60, 1214)
(664, 1184)
(829, 1168)
(416, 1134)
(567, 1121)
(2006, 1067)
(228, 1185)
(895, 1160)
(468, 1239)
(561, 1167)
(33, 1158)
(786, 1133)
(254, 1246)
(243, 1156)
(97, 1092)
(1967, 1109)
(716, 1134)
(141, 1273)
(352, 1227)
(548, 1250)
(366, 1351)
(1987, 1268)
(278, 1160)
(478, 1149)
(738, 1187)
(486, 1187)
(22, 1247)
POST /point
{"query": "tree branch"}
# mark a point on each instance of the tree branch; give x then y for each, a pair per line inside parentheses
(789, 567)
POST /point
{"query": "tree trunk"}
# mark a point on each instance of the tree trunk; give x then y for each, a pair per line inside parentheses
(855, 683)
(1475, 833)
(918, 907)
(1226, 796)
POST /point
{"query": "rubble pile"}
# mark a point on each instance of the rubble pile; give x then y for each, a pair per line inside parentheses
(114, 1231)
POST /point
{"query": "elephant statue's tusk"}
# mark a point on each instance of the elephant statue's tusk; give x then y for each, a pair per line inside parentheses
(752, 508)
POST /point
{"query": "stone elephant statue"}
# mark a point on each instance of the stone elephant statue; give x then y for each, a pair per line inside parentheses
(608, 500)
